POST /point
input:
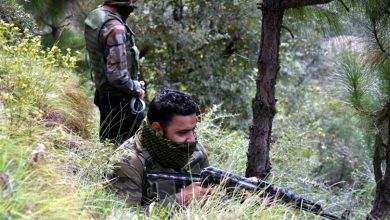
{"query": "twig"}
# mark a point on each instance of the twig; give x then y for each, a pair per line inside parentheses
(375, 32)
(289, 31)
(345, 6)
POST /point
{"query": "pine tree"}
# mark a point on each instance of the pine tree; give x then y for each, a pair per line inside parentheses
(365, 74)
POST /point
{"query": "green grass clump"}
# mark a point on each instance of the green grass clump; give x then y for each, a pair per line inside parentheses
(39, 110)
(34, 186)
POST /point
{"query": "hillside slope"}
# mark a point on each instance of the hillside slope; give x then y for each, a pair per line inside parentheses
(52, 166)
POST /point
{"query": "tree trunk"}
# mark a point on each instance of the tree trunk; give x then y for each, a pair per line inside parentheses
(55, 32)
(263, 105)
(377, 158)
(381, 206)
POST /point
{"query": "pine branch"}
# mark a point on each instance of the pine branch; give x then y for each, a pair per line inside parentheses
(286, 4)
(345, 6)
(377, 40)
(289, 31)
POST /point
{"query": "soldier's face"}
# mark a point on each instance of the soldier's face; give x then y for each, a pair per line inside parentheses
(125, 11)
(181, 129)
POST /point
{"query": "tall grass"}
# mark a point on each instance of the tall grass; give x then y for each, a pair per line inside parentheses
(35, 183)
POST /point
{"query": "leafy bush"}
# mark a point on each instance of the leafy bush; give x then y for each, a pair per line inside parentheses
(319, 147)
(12, 12)
(191, 46)
(30, 76)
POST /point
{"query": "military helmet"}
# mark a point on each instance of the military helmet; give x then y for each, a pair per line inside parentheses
(117, 2)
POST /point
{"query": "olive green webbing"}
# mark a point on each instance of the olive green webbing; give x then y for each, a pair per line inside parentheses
(164, 151)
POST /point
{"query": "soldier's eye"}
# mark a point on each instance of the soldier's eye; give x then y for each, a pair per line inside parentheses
(183, 132)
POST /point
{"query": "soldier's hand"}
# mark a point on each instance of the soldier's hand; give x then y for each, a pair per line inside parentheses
(142, 83)
(248, 194)
(139, 87)
(253, 178)
(191, 192)
(141, 93)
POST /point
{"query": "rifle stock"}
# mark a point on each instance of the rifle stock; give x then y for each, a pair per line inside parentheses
(216, 176)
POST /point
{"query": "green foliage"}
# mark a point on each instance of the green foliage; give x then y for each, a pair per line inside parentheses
(24, 89)
(364, 74)
(306, 19)
(69, 38)
(190, 45)
(225, 147)
(384, 70)
(89, 166)
(320, 148)
(317, 154)
(12, 12)
(32, 190)
(321, 128)
(376, 48)
(47, 12)
(38, 112)
(365, 85)
(58, 22)
(356, 81)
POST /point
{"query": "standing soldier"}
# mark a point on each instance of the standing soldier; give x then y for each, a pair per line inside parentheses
(114, 59)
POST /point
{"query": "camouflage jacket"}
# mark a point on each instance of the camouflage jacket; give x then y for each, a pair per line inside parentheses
(132, 161)
(113, 55)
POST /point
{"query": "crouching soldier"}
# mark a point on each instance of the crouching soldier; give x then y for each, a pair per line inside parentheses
(166, 142)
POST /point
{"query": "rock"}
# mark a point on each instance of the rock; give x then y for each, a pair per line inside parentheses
(73, 142)
(54, 118)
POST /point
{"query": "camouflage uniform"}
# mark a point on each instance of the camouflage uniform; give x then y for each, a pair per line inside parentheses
(133, 161)
(114, 60)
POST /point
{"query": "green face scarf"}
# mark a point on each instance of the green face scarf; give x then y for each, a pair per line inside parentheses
(166, 152)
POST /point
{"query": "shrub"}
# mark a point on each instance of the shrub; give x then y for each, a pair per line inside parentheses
(12, 12)
(30, 76)
(35, 85)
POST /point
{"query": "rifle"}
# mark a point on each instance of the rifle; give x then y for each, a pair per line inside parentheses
(216, 176)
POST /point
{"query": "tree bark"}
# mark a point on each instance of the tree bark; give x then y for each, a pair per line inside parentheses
(263, 105)
(377, 159)
(381, 205)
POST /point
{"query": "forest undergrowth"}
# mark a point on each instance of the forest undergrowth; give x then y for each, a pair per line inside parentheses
(53, 167)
